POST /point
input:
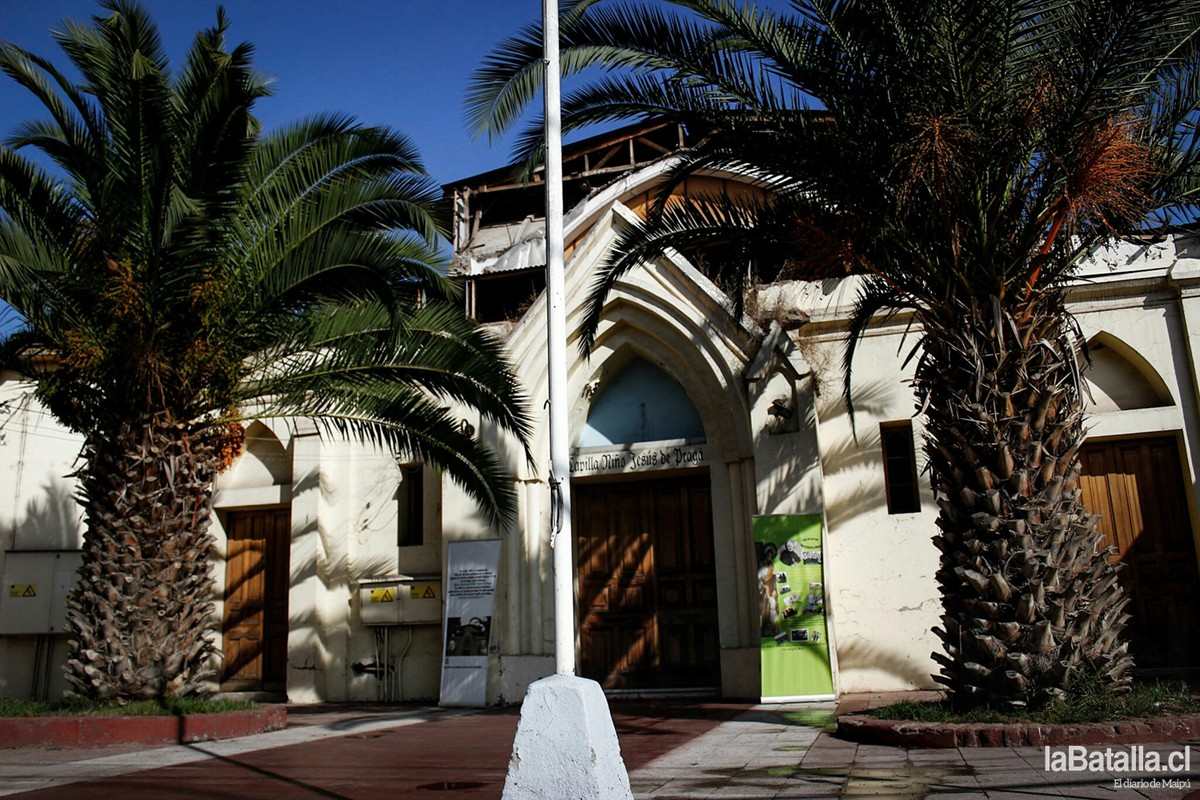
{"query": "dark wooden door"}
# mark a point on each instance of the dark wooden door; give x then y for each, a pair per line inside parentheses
(255, 629)
(647, 584)
(1136, 485)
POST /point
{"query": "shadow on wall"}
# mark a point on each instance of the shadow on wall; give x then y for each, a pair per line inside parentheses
(311, 643)
(330, 554)
(332, 648)
(792, 483)
(855, 653)
(857, 498)
(303, 621)
(51, 520)
(858, 450)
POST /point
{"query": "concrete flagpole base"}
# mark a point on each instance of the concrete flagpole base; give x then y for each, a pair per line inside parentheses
(566, 746)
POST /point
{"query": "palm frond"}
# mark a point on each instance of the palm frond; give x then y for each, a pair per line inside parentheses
(189, 266)
(73, 140)
(875, 295)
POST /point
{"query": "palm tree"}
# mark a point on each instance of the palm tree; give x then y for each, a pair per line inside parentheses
(181, 272)
(962, 157)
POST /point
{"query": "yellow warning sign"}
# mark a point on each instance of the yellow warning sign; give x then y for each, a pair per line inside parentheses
(383, 595)
(22, 590)
(423, 591)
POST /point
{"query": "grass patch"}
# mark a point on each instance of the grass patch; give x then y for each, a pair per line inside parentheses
(1087, 702)
(142, 708)
(824, 720)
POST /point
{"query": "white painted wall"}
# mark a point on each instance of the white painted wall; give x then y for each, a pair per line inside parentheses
(344, 527)
(37, 512)
(880, 567)
(882, 595)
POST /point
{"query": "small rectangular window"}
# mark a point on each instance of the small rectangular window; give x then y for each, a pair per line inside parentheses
(501, 296)
(900, 467)
(410, 501)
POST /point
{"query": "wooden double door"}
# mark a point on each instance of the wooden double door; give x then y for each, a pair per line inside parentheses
(254, 634)
(647, 584)
(1137, 488)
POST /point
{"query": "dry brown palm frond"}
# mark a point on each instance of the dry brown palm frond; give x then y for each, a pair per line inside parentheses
(1114, 165)
(932, 155)
(229, 443)
(1105, 186)
(823, 249)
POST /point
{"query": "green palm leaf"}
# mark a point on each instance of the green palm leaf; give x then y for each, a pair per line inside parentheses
(190, 272)
(960, 157)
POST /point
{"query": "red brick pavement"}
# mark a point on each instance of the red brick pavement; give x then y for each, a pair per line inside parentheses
(458, 757)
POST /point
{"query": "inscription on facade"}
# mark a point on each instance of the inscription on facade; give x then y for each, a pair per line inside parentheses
(642, 458)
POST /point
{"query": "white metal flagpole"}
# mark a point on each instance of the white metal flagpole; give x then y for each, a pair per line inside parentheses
(566, 745)
(561, 537)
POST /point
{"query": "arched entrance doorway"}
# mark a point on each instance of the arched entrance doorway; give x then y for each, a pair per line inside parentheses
(253, 505)
(255, 629)
(1136, 483)
(647, 584)
(646, 566)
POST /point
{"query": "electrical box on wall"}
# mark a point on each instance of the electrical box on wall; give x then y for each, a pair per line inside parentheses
(34, 590)
(401, 600)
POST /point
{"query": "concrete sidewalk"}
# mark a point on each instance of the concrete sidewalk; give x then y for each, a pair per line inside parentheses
(672, 750)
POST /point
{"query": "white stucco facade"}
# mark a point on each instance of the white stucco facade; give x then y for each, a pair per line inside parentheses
(1139, 306)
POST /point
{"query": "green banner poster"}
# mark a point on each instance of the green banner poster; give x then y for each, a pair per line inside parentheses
(791, 587)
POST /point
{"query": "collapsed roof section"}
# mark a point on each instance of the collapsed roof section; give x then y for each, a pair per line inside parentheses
(499, 216)
(499, 209)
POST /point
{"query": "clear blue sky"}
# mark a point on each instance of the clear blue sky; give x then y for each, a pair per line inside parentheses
(401, 63)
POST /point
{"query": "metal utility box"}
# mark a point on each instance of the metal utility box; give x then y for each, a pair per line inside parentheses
(34, 590)
(401, 600)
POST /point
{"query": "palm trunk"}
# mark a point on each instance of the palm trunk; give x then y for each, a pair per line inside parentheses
(140, 616)
(1029, 596)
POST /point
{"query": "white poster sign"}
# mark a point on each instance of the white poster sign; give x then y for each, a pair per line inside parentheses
(471, 569)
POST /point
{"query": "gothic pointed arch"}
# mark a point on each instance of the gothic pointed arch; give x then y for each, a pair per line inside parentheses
(636, 401)
(1121, 379)
(264, 460)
